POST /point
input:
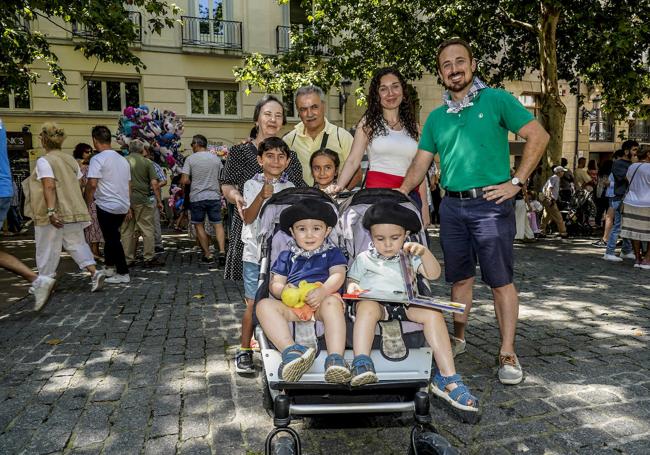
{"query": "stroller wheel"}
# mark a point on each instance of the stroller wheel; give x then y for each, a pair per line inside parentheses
(430, 443)
(286, 444)
(283, 445)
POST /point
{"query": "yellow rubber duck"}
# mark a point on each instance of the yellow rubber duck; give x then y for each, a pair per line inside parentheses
(294, 297)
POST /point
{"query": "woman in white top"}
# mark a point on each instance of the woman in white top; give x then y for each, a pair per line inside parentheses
(635, 224)
(389, 133)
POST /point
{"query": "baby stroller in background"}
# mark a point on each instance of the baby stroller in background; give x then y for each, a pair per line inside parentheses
(578, 213)
(402, 358)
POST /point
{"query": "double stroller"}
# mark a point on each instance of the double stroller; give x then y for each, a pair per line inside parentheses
(402, 359)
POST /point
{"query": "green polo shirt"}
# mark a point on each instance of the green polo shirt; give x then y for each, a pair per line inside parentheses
(473, 143)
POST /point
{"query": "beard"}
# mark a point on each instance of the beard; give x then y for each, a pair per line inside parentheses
(459, 86)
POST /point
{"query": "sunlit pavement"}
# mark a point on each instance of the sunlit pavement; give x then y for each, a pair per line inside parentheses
(146, 367)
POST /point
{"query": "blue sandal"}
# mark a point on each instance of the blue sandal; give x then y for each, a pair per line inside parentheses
(458, 398)
(337, 370)
(363, 371)
(296, 361)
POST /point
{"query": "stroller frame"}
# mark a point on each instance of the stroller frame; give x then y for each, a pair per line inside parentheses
(402, 387)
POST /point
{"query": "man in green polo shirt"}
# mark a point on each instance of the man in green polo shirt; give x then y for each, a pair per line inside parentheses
(469, 132)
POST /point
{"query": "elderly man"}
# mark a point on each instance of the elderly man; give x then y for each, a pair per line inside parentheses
(551, 192)
(477, 219)
(141, 214)
(314, 132)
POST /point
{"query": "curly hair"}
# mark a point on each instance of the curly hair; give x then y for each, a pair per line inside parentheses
(375, 124)
(52, 136)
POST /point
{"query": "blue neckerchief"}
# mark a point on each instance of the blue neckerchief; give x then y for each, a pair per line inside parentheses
(297, 252)
(454, 107)
(260, 178)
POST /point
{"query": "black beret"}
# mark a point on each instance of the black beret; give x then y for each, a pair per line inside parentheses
(307, 210)
(391, 213)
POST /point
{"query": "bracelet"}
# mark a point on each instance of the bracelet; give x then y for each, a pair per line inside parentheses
(51, 211)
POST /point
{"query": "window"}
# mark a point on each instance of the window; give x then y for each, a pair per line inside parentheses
(16, 99)
(297, 13)
(290, 105)
(212, 10)
(531, 102)
(106, 95)
(214, 99)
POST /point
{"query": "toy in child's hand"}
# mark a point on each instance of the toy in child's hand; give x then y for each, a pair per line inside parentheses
(294, 297)
(354, 294)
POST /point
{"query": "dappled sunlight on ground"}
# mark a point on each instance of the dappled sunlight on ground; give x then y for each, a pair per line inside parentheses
(147, 367)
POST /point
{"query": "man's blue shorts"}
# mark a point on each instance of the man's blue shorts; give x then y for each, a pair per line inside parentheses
(472, 229)
(212, 208)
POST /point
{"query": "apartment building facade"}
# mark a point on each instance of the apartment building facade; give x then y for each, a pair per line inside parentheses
(189, 71)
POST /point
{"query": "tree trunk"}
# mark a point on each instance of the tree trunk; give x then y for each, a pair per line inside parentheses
(553, 110)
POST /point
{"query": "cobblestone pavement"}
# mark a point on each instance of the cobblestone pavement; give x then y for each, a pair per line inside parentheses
(145, 368)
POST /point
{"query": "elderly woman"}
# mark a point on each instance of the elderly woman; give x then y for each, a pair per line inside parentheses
(82, 153)
(635, 223)
(55, 203)
(242, 165)
(389, 132)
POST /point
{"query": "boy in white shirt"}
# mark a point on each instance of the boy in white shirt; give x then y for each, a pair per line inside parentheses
(273, 157)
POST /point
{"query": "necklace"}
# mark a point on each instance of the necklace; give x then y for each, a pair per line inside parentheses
(392, 125)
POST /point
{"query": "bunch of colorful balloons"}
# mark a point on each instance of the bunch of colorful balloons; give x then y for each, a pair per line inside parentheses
(162, 130)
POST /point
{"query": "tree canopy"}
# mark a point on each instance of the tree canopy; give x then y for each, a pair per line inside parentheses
(108, 34)
(603, 43)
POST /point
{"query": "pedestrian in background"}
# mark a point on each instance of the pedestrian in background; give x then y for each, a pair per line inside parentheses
(8, 261)
(551, 196)
(619, 174)
(109, 185)
(635, 222)
(82, 153)
(140, 216)
(55, 203)
(202, 170)
(163, 185)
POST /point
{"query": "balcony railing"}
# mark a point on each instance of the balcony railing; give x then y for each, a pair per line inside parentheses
(80, 30)
(283, 41)
(640, 133)
(198, 31)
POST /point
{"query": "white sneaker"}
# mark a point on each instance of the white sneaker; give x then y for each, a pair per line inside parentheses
(43, 287)
(627, 256)
(108, 271)
(97, 281)
(118, 279)
(612, 258)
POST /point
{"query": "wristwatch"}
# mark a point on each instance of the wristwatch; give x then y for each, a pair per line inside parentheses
(517, 182)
